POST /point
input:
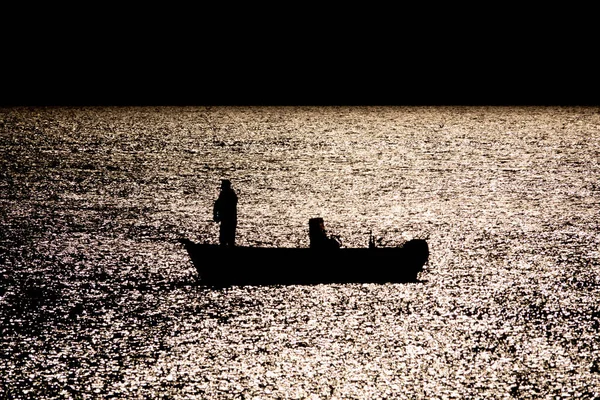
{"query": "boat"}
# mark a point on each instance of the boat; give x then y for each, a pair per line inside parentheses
(321, 263)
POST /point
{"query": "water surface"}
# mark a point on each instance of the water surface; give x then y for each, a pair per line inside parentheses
(99, 300)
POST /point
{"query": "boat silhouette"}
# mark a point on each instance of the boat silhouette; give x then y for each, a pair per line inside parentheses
(321, 263)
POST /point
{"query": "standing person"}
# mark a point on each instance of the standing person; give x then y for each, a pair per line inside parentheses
(225, 212)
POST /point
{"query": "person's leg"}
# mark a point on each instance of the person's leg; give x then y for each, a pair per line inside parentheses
(232, 234)
(228, 229)
(222, 234)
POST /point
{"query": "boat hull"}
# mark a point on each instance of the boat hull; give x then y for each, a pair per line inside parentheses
(241, 265)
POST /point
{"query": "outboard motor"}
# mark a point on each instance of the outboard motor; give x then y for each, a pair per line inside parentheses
(418, 251)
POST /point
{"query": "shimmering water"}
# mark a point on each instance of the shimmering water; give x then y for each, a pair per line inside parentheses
(98, 300)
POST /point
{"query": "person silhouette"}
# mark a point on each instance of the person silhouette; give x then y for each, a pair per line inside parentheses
(225, 213)
(318, 235)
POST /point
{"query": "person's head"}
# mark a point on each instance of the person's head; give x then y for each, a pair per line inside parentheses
(225, 184)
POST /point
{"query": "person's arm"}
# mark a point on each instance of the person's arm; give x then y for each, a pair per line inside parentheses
(216, 216)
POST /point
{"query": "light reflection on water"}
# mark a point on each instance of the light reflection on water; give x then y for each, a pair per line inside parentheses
(98, 299)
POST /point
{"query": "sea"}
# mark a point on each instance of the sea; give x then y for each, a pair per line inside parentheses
(99, 299)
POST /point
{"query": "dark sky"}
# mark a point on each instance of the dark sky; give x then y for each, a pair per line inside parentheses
(107, 79)
(66, 63)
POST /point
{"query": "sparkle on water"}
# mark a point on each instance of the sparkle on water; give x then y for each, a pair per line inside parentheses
(99, 300)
